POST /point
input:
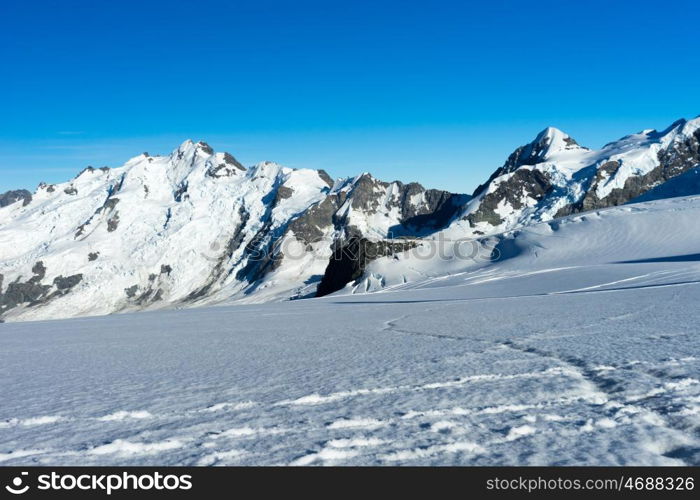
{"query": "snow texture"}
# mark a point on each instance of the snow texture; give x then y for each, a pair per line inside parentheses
(578, 346)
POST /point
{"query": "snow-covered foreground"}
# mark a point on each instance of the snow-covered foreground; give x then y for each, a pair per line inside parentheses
(581, 347)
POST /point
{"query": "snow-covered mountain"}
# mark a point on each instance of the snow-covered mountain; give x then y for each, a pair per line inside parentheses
(553, 176)
(196, 227)
(191, 228)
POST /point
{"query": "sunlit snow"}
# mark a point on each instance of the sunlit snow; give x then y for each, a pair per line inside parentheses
(579, 346)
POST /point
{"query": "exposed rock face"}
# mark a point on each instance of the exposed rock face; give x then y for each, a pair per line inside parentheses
(113, 222)
(33, 292)
(326, 178)
(342, 220)
(228, 167)
(549, 141)
(180, 192)
(11, 197)
(414, 208)
(109, 204)
(440, 208)
(29, 293)
(206, 148)
(310, 226)
(522, 184)
(686, 184)
(283, 193)
(681, 154)
(39, 271)
(350, 258)
(679, 157)
(67, 282)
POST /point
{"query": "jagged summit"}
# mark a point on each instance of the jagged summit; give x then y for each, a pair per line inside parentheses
(553, 176)
(677, 125)
(548, 143)
(677, 130)
(552, 140)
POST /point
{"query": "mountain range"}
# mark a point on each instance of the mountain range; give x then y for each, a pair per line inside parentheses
(197, 227)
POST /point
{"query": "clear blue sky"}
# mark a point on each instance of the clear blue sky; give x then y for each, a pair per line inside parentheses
(438, 92)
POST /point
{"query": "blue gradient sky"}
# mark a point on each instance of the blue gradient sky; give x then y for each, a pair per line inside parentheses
(438, 92)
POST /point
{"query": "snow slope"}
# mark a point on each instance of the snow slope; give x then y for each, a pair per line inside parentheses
(600, 238)
(579, 346)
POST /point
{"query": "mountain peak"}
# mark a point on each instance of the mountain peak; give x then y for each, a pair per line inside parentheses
(186, 144)
(204, 147)
(552, 140)
(547, 143)
(189, 145)
(551, 132)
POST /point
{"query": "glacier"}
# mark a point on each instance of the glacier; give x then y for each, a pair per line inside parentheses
(576, 346)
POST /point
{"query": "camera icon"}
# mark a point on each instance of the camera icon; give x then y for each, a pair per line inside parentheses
(16, 487)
